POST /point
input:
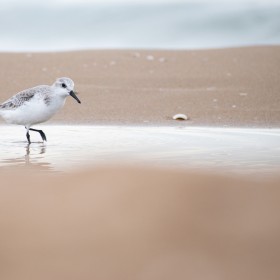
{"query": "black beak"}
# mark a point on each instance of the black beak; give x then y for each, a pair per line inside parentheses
(72, 93)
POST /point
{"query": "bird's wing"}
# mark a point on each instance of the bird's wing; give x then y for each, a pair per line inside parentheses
(22, 97)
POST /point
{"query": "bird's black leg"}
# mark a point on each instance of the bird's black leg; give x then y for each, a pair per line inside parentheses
(28, 137)
(43, 135)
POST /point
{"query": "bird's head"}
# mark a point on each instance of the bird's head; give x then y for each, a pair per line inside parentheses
(65, 87)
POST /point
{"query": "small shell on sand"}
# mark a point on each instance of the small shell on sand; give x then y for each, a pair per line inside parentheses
(180, 117)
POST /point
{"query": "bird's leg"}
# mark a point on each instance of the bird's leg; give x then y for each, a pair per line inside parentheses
(43, 135)
(28, 137)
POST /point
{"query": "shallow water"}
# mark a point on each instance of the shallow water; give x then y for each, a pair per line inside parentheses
(245, 151)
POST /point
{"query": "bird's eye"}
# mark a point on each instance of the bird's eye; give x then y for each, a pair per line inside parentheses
(63, 85)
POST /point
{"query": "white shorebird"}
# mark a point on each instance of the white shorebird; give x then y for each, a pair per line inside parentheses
(38, 104)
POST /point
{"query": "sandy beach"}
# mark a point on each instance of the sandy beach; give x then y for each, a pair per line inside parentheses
(225, 87)
(124, 222)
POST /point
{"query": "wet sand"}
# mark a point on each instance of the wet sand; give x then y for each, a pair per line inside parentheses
(125, 222)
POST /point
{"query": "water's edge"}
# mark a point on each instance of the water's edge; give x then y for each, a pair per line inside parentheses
(245, 151)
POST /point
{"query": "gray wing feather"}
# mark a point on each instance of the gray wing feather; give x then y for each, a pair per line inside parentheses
(24, 96)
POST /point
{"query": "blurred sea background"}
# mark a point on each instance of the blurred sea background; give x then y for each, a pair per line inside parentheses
(76, 25)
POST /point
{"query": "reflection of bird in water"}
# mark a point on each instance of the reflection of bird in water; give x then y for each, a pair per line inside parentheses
(33, 158)
(27, 155)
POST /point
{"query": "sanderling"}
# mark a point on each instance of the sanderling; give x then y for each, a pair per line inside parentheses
(37, 104)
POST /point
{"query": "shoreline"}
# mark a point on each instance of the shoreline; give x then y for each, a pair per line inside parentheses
(244, 152)
(178, 124)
